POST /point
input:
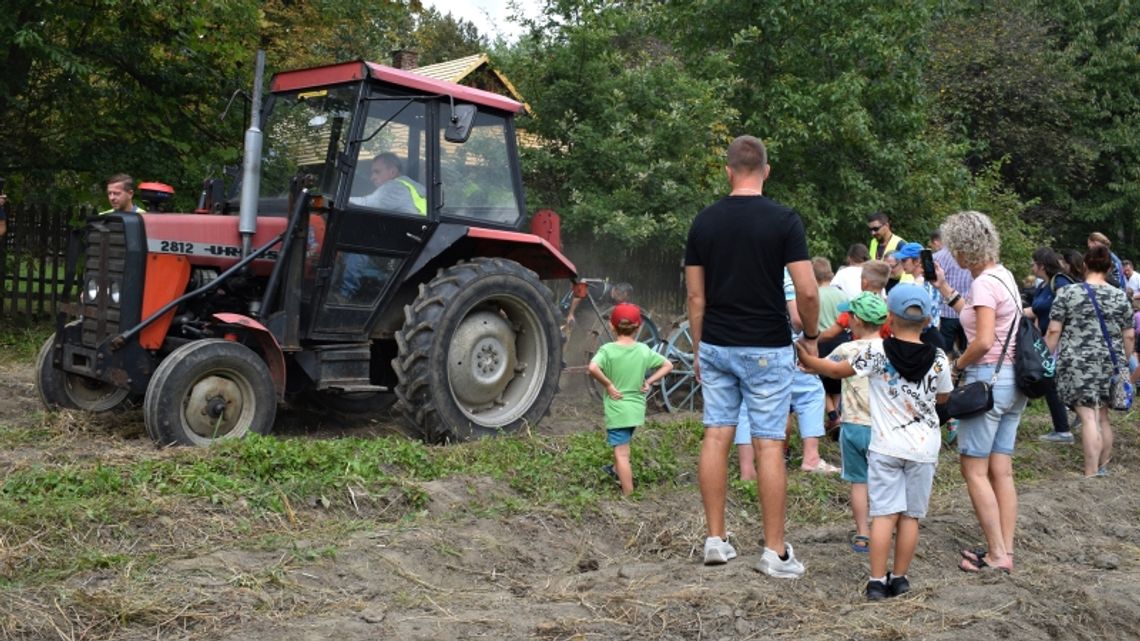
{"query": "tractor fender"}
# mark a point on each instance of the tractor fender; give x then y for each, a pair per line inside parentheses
(528, 250)
(274, 357)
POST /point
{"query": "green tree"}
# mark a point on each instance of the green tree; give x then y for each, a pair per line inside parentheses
(999, 82)
(631, 136)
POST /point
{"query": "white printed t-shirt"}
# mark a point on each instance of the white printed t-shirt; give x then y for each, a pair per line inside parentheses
(856, 389)
(904, 423)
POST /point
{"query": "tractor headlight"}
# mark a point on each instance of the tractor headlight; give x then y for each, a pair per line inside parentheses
(115, 292)
(90, 290)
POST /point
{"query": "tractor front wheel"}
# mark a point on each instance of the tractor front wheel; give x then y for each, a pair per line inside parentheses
(479, 352)
(209, 390)
(62, 390)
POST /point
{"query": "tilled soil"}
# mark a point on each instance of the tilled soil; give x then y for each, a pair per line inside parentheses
(631, 570)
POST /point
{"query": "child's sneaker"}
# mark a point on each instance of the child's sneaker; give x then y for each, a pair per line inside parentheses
(897, 585)
(611, 472)
(718, 551)
(877, 590)
(772, 565)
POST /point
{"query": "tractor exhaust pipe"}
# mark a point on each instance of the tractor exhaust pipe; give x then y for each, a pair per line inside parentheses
(251, 163)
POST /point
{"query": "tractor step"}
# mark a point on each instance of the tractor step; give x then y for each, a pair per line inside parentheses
(342, 368)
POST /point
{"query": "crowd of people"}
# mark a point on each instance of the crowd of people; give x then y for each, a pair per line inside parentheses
(874, 350)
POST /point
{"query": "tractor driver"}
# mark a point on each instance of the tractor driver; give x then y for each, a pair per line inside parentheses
(394, 191)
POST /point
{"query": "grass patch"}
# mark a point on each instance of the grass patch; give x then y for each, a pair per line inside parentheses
(21, 341)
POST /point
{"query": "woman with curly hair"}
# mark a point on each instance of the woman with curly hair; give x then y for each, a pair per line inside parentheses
(1084, 362)
(985, 442)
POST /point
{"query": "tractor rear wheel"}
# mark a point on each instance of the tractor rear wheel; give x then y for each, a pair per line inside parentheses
(479, 352)
(209, 390)
(62, 390)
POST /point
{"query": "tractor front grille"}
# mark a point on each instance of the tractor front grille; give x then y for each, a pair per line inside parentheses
(105, 264)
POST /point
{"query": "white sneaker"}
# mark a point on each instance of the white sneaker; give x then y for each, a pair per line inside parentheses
(718, 551)
(771, 564)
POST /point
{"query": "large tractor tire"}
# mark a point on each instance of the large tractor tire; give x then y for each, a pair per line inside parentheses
(479, 353)
(209, 390)
(62, 390)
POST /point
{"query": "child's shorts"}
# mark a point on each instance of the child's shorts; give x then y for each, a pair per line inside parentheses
(616, 436)
(896, 485)
(853, 442)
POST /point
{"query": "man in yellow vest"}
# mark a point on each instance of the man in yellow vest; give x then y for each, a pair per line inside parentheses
(395, 192)
(882, 240)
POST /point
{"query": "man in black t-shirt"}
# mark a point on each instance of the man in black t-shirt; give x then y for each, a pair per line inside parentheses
(734, 264)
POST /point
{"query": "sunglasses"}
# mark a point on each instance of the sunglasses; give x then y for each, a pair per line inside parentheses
(875, 228)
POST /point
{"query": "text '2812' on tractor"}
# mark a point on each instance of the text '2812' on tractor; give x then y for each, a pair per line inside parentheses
(375, 254)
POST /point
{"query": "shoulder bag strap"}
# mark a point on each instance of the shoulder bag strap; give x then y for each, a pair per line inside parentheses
(1012, 327)
(1103, 328)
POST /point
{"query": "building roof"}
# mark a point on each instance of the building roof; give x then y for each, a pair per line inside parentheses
(458, 69)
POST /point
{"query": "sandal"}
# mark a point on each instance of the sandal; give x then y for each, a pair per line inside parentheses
(975, 556)
(860, 543)
(980, 565)
(823, 467)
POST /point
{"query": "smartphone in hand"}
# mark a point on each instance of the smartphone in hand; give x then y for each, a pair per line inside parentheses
(928, 272)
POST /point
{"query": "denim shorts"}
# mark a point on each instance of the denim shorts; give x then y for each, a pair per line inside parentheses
(995, 431)
(616, 436)
(854, 440)
(808, 403)
(898, 486)
(758, 377)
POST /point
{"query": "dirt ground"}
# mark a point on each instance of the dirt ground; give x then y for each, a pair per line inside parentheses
(630, 571)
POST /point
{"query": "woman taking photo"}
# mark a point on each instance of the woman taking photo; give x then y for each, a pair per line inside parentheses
(985, 441)
(1047, 267)
(1084, 360)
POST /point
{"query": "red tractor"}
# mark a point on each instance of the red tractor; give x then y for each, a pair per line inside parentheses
(375, 254)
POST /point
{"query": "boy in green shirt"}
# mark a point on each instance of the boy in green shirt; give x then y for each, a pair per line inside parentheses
(620, 367)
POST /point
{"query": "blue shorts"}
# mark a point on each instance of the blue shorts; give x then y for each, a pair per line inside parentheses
(808, 403)
(616, 436)
(760, 378)
(995, 431)
(854, 439)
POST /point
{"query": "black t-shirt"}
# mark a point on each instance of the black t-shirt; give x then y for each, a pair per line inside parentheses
(743, 243)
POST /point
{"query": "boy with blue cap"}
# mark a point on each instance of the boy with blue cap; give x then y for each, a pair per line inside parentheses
(907, 379)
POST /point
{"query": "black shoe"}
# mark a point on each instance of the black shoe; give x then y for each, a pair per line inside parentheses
(898, 585)
(611, 472)
(877, 590)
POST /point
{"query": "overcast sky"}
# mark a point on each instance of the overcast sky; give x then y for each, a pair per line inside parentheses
(489, 16)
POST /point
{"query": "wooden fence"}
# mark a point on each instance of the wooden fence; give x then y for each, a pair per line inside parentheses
(33, 260)
(654, 271)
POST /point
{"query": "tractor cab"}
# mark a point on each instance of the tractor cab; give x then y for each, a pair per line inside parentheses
(392, 156)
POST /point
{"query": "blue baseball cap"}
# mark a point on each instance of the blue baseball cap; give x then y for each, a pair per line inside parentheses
(904, 297)
(908, 250)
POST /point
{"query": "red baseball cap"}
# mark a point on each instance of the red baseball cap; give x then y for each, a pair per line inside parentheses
(625, 311)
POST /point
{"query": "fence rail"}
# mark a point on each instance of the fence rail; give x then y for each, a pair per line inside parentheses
(33, 260)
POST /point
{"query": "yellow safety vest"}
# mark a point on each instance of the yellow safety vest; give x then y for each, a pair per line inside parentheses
(418, 201)
(892, 245)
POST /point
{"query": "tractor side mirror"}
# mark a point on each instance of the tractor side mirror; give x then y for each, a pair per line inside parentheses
(459, 129)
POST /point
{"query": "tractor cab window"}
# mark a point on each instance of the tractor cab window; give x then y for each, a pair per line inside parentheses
(391, 164)
(305, 131)
(478, 176)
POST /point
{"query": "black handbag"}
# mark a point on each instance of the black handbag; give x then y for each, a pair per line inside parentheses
(976, 398)
(1034, 367)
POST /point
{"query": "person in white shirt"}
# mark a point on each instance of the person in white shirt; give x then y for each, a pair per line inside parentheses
(394, 191)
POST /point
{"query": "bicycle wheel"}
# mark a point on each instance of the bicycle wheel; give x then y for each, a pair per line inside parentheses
(680, 389)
